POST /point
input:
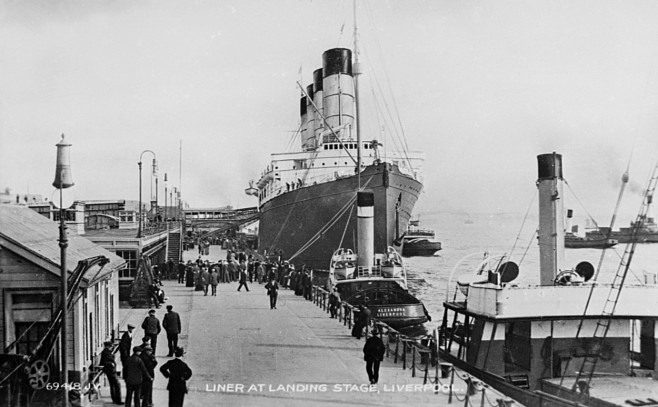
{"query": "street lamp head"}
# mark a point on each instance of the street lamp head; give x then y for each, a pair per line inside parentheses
(155, 166)
(63, 178)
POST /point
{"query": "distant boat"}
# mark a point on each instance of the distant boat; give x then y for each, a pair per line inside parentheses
(648, 233)
(572, 241)
(468, 220)
(418, 242)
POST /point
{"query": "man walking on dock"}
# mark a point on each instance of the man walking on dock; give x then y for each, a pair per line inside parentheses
(273, 291)
(171, 324)
(373, 354)
(177, 372)
(243, 279)
(151, 327)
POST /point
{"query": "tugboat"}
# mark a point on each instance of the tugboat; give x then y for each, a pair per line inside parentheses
(647, 233)
(418, 242)
(573, 241)
(569, 340)
(376, 280)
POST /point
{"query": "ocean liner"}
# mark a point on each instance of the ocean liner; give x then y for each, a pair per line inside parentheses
(307, 197)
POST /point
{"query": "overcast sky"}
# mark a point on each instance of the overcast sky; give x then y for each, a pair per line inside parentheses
(481, 87)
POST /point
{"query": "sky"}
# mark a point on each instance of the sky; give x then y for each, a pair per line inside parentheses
(480, 87)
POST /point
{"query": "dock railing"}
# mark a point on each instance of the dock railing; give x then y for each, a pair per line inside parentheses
(420, 355)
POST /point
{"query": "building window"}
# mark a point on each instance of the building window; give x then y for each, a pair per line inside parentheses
(130, 256)
(29, 339)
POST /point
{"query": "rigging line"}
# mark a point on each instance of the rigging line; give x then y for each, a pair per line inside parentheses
(327, 124)
(581, 204)
(330, 223)
(345, 230)
(324, 228)
(403, 149)
(521, 228)
(388, 79)
(630, 250)
(624, 182)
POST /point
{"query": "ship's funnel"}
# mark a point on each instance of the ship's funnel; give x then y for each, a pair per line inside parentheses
(365, 212)
(318, 97)
(338, 89)
(303, 115)
(551, 217)
(308, 134)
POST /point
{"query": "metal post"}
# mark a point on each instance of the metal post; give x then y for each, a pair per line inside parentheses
(63, 244)
(139, 219)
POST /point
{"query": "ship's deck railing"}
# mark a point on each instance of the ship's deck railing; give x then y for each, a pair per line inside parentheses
(420, 355)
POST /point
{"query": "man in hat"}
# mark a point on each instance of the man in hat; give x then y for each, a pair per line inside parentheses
(373, 354)
(134, 373)
(110, 369)
(243, 276)
(273, 291)
(147, 385)
(177, 372)
(151, 327)
(181, 272)
(126, 344)
(171, 324)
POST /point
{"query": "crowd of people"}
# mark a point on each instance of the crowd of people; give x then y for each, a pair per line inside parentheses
(238, 267)
(244, 269)
(139, 362)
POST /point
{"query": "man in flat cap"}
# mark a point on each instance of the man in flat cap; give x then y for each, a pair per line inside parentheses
(134, 373)
(110, 369)
(177, 372)
(126, 344)
(151, 327)
(147, 385)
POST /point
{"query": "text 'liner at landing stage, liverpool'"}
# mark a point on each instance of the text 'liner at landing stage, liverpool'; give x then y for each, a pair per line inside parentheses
(306, 198)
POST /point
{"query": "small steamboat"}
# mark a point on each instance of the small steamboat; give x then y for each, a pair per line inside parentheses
(376, 280)
(418, 241)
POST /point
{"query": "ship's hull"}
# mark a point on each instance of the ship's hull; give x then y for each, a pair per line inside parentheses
(588, 243)
(305, 225)
(386, 300)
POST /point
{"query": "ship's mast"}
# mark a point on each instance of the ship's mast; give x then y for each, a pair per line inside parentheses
(356, 69)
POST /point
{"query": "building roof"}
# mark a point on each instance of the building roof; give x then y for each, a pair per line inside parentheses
(36, 238)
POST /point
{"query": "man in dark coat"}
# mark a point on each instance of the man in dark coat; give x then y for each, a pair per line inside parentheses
(181, 272)
(361, 320)
(134, 373)
(171, 324)
(147, 385)
(334, 302)
(126, 344)
(373, 354)
(273, 291)
(177, 372)
(151, 327)
(110, 369)
(243, 279)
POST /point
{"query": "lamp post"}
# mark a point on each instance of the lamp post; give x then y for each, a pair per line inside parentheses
(63, 180)
(139, 230)
(165, 208)
(171, 201)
